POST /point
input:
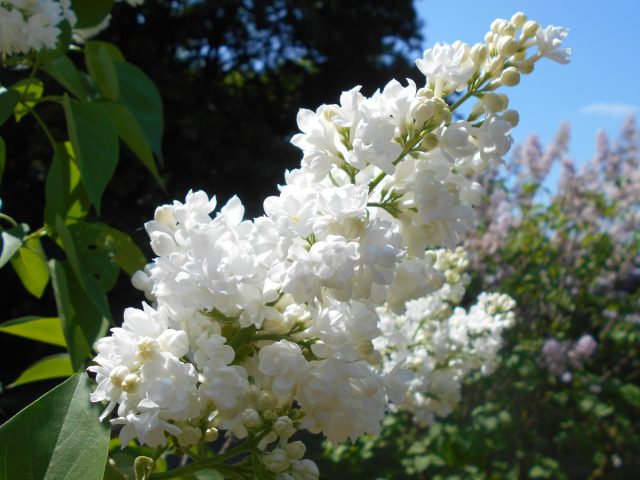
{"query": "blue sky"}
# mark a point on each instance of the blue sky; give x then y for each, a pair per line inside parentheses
(597, 90)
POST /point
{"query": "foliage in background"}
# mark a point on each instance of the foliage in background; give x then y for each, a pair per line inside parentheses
(565, 399)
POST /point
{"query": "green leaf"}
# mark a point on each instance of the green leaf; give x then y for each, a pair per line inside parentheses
(3, 157)
(95, 145)
(127, 254)
(88, 280)
(8, 101)
(139, 94)
(95, 251)
(83, 323)
(132, 135)
(66, 74)
(54, 366)
(57, 437)
(41, 329)
(90, 12)
(30, 263)
(100, 65)
(30, 90)
(11, 243)
(64, 193)
(631, 394)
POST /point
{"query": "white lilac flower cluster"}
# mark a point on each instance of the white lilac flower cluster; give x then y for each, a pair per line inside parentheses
(32, 24)
(27, 25)
(441, 344)
(260, 328)
(559, 357)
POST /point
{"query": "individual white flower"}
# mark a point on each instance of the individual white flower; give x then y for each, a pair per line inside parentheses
(447, 66)
(283, 361)
(342, 400)
(549, 42)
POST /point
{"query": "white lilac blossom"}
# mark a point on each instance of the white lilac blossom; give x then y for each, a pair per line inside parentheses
(32, 25)
(439, 344)
(334, 306)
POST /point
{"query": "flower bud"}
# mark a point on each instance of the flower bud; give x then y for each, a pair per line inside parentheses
(211, 434)
(479, 53)
(530, 28)
(305, 470)
(518, 19)
(497, 24)
(512, 117)
(251, 418)
(164, 216)
(526, 66)
(162, 243)
(507, 46)
(488, 37)
(422, 110)
(189, 436)
(429, 142)
(269, 415)
(494, 102)
(296, 450)
(283, 426)
(146, 349)
(130, 382)
(276, 461)
(267, 401)
(507, 28)
(510, 77)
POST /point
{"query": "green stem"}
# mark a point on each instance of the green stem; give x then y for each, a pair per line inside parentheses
(44, 127)
(8, 219)
(214, 463)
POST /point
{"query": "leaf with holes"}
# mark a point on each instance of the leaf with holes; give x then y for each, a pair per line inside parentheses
(96, 251)
(56, 437)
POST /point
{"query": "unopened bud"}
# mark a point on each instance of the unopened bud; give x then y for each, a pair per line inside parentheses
(479, 53)
(283, 426)
(267, 401)
(512, 116)
(496, 25)
(429, 142)
(251, 418)
(422, 110)
(296, 450)
(269, 415)
(530, 28)
(518, 19)
(507, 28)
(510, 77)
(277, 461)
(211, 434)
(494, 102)
(130, 382)
(507, 46)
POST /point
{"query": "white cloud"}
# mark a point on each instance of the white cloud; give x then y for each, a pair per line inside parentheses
(611, 109)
